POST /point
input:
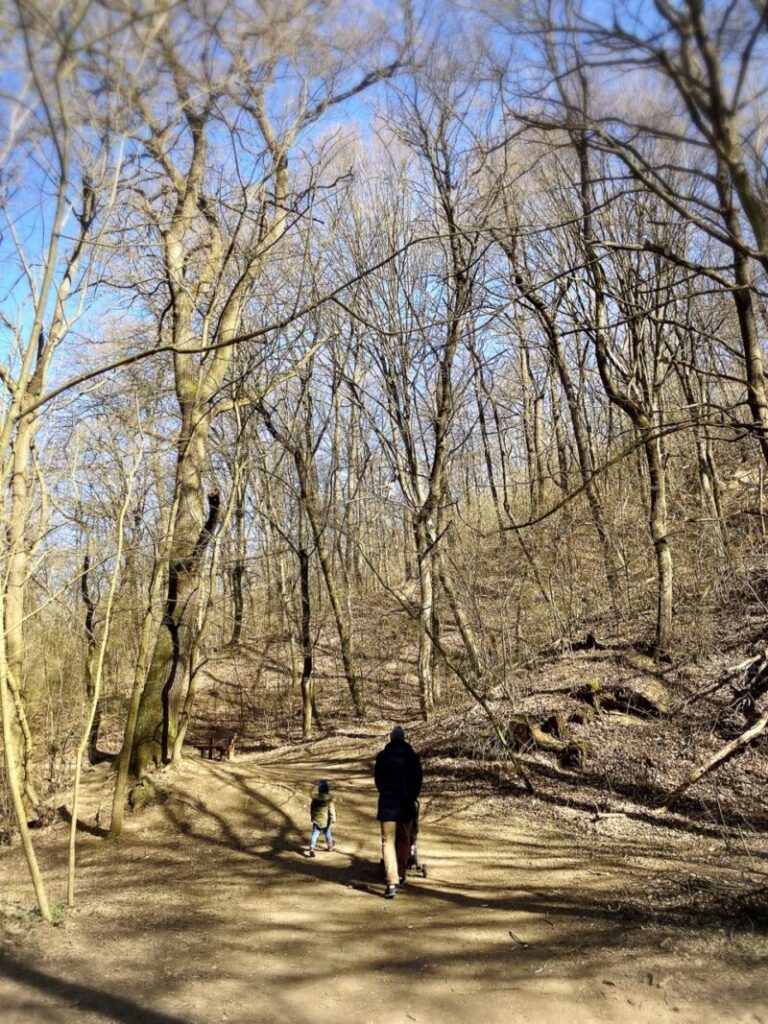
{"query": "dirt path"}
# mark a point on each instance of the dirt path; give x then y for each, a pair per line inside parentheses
(209, 912)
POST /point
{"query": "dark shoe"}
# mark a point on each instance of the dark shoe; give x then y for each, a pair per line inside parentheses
(402, 880)
(310, 853)
(390, 892)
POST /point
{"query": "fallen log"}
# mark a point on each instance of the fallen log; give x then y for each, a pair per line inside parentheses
(746, 669)
(723, 754)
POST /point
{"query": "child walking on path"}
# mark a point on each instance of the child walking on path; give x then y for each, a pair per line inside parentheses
(323, 814)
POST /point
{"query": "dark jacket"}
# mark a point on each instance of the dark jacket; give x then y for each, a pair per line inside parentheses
(398, 778)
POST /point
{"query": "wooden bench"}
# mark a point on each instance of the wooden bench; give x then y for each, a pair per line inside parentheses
(218, 739)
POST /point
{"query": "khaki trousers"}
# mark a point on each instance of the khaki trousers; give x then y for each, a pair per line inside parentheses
(395, 848)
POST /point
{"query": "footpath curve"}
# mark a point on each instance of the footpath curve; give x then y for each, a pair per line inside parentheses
(208, 911)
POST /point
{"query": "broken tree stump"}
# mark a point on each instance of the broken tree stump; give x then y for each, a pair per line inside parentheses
(557, 726)
(525, 735)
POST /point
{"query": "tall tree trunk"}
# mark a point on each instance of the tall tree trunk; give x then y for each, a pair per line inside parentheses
(147, 640)
(309, 497)
(706, 466)
(579, 426)
(155, 726)
(425, 620)
(587, 466)
(757, 391)
(237, 572)
(206, 605)
(533, 398)
(11, 759)
(90, 660)
(352, 511)
(310, 501)
(561, 473)
(95, 679)
(305, 631)
(659, 532)
(16, 582)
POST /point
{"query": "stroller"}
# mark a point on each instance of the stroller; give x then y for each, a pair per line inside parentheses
(414, 864)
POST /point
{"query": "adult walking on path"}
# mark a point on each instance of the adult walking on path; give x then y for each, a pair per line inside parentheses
(398, 778)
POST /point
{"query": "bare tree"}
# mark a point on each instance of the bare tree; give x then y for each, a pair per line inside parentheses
(212, 231)
(74, 136)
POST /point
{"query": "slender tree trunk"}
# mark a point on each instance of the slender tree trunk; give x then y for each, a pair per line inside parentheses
(487, 455)
(305, 629)
(275, 540)
(709, 484)
(14, 786)
(17, 572)
(529, 429)
(95, 681)
(581, 434)
(352, 513)
(408, 564)
(436, 624)
(426, 606)
(237, 572)
(21, 724)
(561, 475)
(90, 659)
(659, 532)
(331, 586)
(310, 502)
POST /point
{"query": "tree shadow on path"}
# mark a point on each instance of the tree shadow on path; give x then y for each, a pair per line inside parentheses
(82, 998)
(285, 839)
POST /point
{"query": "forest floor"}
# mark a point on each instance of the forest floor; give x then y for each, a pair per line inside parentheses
(206, 909)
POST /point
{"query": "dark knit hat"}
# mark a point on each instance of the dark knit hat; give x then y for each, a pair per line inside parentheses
(398, 733)
(322, 786)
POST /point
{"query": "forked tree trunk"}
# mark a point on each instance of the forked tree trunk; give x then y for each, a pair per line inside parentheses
(205, 608)
(156, 722)
(149, 630)
(644, 417)
(310, 503)
(332, 588)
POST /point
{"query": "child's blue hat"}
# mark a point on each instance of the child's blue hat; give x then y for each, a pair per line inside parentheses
(322, 786)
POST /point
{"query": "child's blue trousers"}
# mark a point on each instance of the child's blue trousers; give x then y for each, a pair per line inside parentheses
(316, 830)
